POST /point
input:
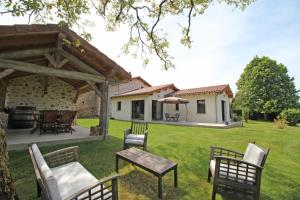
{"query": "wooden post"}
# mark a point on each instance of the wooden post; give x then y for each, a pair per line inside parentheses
(3, 88)
(104, 120)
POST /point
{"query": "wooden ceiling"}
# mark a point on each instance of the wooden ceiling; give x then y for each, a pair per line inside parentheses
(31, 40)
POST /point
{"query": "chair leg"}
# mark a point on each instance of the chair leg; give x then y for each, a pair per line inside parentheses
(38, 189)
(213, 197)
(209, 175)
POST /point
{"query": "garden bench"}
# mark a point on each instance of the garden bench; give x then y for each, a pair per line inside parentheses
(61, 177)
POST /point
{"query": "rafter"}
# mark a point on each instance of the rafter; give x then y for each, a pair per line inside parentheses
(38, 69)
(26, 53)
(6, 73)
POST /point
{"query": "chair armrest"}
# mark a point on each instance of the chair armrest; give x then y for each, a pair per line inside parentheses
(62, 156)
(126, 132)
(146, 133)
(220, 151)
(111, 184)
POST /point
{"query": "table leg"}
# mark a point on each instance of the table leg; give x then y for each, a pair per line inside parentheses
(117, 163)
(175, 177)
(159, 187)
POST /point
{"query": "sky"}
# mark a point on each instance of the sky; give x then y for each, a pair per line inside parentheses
(225, 39)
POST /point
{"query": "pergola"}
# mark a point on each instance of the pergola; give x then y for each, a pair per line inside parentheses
(51, 50)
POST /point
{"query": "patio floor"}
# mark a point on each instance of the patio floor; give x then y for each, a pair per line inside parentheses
(20, 138)
(197, 124)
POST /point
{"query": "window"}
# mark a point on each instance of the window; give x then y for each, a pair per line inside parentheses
(177, 107)
(119, 105)
(201, 106)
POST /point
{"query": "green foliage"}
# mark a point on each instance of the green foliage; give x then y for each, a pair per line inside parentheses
(265, 87)
(291, 115)
(142, 18)
(280, 122)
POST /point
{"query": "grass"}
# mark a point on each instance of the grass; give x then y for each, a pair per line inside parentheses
(189, 146)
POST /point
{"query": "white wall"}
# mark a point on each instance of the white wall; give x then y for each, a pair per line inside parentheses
(126, 105)
(190, 114)
(225, 98)
(213, 107)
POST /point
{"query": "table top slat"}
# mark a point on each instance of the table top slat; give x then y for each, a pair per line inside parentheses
(150, 161)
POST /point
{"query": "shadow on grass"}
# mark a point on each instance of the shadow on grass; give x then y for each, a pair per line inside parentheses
(136, 183)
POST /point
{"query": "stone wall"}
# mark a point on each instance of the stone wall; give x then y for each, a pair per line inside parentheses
(88, 105)
(45, 93)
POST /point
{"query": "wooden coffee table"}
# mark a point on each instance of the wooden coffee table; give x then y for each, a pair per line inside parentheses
(154, 164)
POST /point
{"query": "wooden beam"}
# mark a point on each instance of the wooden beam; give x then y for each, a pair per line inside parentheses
(78, 63)
(95, 88)
(51, 60)
(6, 73)
(26, 53)
(62, 63)
(38, 69)
(104, 109)
(3, 89)
(76, 96)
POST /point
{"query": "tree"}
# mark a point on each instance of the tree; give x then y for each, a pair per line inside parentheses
(7, 189)
(142, 17)
(265, 87)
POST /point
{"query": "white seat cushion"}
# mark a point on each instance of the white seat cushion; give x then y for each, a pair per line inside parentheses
(46, 173)
(135, 136)
(254, 154)
(73, 177)
(233, 171)
(134, 141)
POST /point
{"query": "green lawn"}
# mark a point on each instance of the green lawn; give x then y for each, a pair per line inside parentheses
(189, 146)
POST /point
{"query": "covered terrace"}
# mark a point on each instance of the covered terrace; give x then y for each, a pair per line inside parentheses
(46, 67)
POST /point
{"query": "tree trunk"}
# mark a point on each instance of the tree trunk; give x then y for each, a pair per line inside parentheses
(7, 187)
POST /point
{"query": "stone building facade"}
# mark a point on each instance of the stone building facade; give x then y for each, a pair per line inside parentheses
(44, 93)
(88, 104)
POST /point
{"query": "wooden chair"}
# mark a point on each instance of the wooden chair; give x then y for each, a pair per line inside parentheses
(237, 175)
(66, 120)
(137, 135)
(48, 121)
(167, 116)
(176, 117)
(60, 176)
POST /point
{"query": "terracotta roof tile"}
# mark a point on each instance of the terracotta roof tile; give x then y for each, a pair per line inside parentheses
(148, 90)
(205, 90)
(141, 79)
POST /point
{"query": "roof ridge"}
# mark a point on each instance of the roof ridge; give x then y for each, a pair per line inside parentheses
(204, 87)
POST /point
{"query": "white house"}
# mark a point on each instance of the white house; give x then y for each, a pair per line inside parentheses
(206, 104)
(141, 104)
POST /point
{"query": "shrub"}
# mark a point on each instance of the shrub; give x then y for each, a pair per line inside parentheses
(236, 118)
(245, 113)
(280, 122)
(292, 115)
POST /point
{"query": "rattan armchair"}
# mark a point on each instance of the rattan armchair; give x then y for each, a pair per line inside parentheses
(234, 176)
(137, 135)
